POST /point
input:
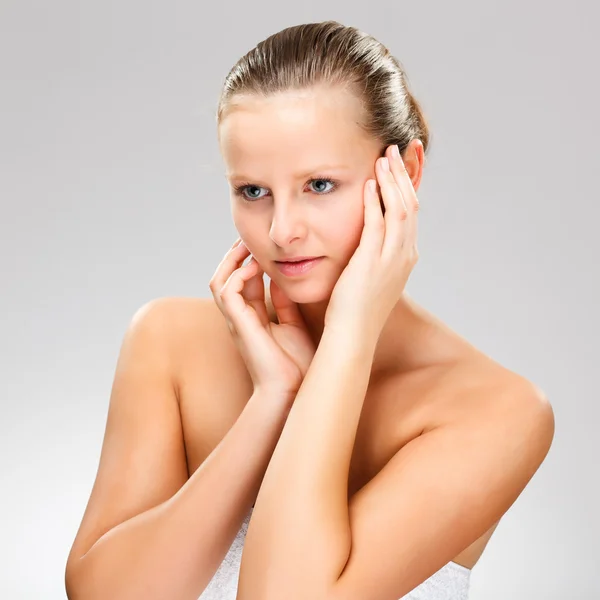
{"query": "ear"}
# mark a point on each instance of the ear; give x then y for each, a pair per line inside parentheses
(414, 159)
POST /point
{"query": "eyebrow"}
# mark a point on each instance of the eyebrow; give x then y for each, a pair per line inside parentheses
(298, 175)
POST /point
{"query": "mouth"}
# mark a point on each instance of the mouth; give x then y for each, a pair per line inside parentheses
(298, 267)
(298, 260)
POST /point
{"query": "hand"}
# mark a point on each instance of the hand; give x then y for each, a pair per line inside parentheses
(277, 355)
(376, 275)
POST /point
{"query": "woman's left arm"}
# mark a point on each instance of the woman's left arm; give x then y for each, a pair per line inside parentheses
(299, 535)
(436, 496)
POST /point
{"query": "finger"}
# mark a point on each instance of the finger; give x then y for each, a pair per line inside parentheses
(395, 210)
(232, 260)
(243, 316)
(254, 290)
(411, 201)
(374, 229)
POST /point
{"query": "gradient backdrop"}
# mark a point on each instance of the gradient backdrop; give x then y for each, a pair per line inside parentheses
(112, 193)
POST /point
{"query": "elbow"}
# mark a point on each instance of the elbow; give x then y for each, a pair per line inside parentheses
(72, 585)
(77, 581)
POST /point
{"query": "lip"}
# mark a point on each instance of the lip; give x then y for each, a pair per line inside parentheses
(297, 259)
(299, 267)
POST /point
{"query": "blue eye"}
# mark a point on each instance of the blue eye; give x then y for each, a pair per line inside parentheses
(240, 189)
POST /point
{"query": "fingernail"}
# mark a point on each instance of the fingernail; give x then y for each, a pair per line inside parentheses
(385, 163)
(395, 151)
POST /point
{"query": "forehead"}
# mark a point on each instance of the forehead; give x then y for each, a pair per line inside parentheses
(299, 128)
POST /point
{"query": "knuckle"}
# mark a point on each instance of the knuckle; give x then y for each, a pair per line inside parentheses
(220, 290)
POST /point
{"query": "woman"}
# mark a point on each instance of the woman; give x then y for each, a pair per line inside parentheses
(326, 437)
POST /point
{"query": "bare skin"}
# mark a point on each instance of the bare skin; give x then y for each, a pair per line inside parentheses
(430, 391)
(181, 383)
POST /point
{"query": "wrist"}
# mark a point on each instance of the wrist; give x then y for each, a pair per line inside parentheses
(352, 337)
(274, 396)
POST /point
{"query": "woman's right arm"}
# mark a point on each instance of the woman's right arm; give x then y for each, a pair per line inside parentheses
(148, 531)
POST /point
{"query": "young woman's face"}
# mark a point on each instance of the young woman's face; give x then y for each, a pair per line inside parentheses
(300, 163)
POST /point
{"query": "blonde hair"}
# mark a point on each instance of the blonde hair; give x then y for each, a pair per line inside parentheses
(332, 54)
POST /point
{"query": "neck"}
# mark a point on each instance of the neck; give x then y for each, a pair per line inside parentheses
(410, 339)
(314, 317)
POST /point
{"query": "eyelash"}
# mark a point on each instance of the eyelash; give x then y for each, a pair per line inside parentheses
(239, 189)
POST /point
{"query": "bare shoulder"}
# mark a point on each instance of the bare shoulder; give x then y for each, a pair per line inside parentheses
(501, 413)
(198, 339)
(173, 316)
(480, 391)
(180, 314)
(199, 334)
(209, 374)
(189, 324)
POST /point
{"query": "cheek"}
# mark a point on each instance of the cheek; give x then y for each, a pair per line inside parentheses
(237, 219)
(248, 229)
(345, 232)
(253, 235)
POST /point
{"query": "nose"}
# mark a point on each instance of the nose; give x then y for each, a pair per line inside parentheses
(288, 223)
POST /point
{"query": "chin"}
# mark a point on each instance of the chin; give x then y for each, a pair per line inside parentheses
(305, 291)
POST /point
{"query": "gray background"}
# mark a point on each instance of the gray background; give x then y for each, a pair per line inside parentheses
(113, 193)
